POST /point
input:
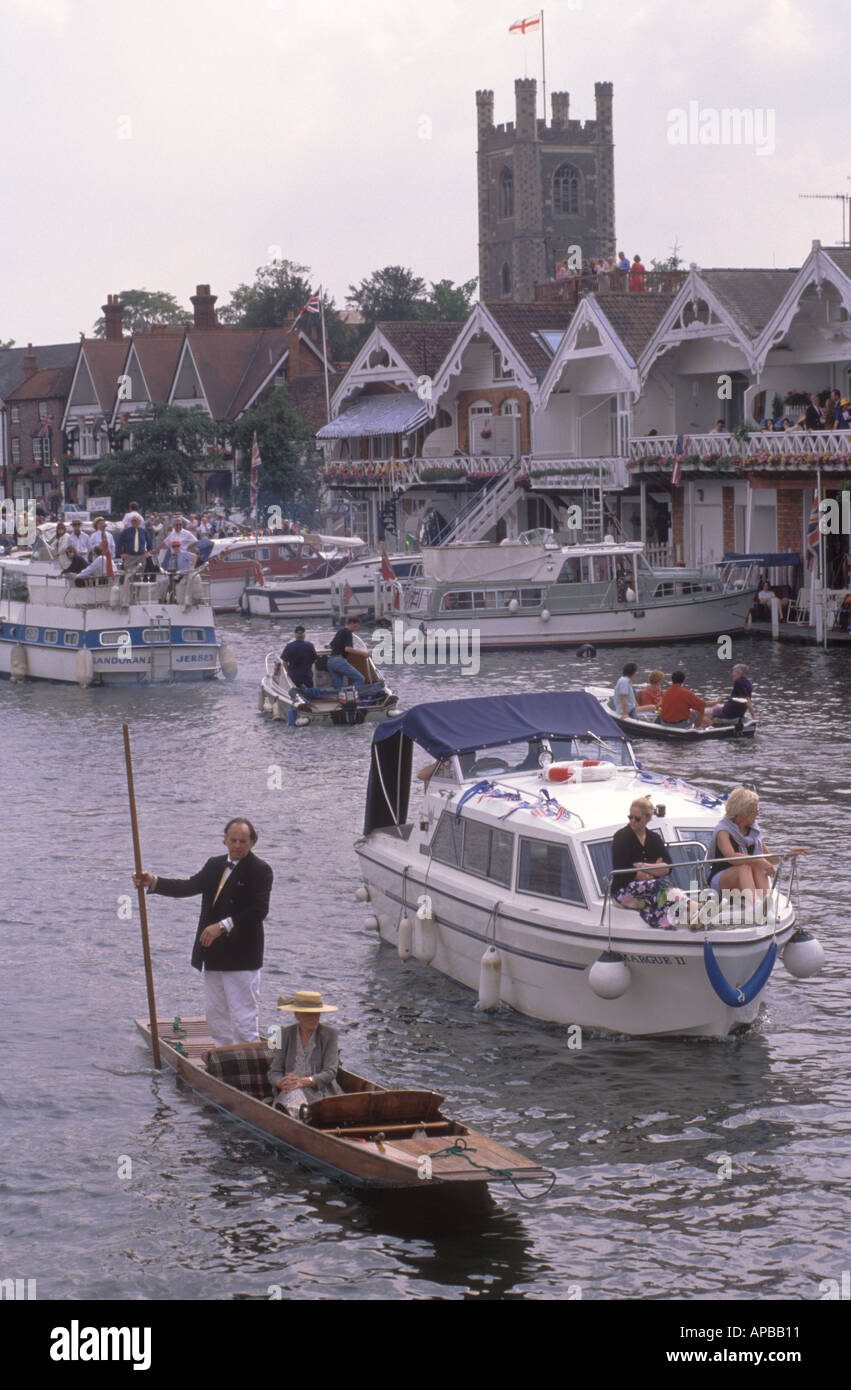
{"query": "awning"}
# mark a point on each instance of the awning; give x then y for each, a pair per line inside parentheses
(769, 559)
(399, 413)
(463, 726)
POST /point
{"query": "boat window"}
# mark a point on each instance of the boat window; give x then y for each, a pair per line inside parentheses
(506, 757)
(14, 587)
(193, 634)
(703, 836)
(531, 598)
(115, 637)
(71, 639)
(615, 751)
(487, 852)
(458, 601)
(51, 636)
(684, 875)
(448, 840)
(152, 635)
(600, 854)
(30, 634)
(599, 569)
(547, 870)
(571, 571)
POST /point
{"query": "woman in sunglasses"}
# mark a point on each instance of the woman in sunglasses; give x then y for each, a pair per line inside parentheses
(641, 862)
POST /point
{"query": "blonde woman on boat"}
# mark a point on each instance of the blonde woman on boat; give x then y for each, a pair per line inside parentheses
(738, 846)
(304, 1066)
(641, 865)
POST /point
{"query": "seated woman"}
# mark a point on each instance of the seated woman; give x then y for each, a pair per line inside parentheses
(623, 699)
(739, 849)
(641, 861)
(304, 1067)
(651, 693)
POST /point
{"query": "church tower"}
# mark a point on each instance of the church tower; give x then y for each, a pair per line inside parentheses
(542, 190)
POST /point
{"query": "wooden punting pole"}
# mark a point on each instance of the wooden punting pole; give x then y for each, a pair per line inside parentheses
(143, 907)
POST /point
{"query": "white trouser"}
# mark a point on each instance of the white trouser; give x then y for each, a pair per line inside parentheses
(232, 1005)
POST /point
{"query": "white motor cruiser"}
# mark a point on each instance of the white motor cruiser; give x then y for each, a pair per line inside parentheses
(501, 878)
(129, 629)
(537, 592)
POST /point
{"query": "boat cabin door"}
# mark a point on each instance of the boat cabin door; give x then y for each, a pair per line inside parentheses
(161, 639)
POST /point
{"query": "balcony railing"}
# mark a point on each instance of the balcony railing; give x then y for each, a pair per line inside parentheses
(806, 447)
(548, 471)
(571, 289)
(393, 473)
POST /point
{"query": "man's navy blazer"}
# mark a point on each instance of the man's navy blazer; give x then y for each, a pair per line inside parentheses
(244, 898)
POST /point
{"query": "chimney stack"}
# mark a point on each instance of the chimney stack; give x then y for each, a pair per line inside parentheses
(112, 314)
(204, 305)
(30, 363)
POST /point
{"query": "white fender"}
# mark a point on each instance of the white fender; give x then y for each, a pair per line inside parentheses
(228, 662)
(371, 924)
(425, 939)
(115, 596)
(19, 662)
(405, 943)
(362, 894)
(803, 955)
(490, 979)
(609, 976)
(545, 615)
(85, 667)
(513, 605)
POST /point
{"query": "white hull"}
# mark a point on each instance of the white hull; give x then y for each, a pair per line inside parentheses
(680, 621)
(545, 958)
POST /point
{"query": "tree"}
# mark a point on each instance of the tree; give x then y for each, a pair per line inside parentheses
(9, 343)
(141, 309)
(449, 303)
(289, 470)
(169, 443)
(280, 291)
(392, 293)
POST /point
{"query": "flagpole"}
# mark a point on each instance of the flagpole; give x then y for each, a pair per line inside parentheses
(543, 67)
(324, 354)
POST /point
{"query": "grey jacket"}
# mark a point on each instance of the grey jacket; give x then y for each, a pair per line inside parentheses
(323, 1067)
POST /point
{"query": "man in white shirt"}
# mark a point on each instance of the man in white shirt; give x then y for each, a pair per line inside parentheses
(101, 534)
(97, 568)
(127, 519)
(182, 536)
(79, 539)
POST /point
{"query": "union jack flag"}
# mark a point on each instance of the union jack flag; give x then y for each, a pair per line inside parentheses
(813, 535)
(45, 427)
(682, 442)
(254, 475)
(311, 307)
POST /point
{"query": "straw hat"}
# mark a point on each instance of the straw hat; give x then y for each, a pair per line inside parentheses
(306, 1001)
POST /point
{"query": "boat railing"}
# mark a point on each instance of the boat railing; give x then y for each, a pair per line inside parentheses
(729, 908)
(118, 592)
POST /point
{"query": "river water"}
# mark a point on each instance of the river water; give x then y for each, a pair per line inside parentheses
(685, 1169)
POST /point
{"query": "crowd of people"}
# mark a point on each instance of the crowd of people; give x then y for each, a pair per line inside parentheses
(677, 705)
(619, 273)
(827, 409)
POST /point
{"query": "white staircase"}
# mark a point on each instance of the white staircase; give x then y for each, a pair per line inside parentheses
(485, 509)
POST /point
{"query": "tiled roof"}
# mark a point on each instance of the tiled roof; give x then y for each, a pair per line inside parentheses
(269, 348)
(422, 346)
(49, 383)
(750, 296)
(634, 317)
(106, 360)
(229, 360)
(841, 256)
(520, 321)
(12, 362)
(158, 354)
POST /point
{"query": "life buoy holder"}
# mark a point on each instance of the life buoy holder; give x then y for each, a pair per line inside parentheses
(589, 770)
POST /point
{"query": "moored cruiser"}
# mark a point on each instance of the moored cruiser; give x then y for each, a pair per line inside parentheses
(128, 629)
(502, 878)
(537, 592)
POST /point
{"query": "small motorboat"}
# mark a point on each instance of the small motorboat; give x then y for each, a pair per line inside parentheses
(320, 703)
(649, 726)
(369, 1136)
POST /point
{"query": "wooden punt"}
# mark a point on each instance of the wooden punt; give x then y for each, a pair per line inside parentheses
(370, 1136)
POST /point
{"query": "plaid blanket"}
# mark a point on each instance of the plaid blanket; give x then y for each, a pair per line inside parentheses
(244, 1066)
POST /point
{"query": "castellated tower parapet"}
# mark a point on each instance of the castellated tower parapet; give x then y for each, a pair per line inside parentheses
(542, 189)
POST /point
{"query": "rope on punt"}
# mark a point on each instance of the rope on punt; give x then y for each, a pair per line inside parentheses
(459, 1150)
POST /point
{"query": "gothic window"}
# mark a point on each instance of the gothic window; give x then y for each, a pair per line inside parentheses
(566, 190)
(506, 193)
(379, 358)
(505, 277)
(510, 407)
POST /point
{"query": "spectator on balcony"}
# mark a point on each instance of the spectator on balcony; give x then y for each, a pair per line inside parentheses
(813, 415)
(603, 272)
(637, 273)
(842, 417)
(561, 270)
(720, 427)
(786, 423)
(623, 268)
(830, 407)
(587, 274)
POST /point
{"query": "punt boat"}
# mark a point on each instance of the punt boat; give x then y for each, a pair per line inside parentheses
(368, 1137)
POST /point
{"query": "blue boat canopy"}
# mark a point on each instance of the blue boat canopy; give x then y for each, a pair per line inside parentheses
(769, 560)
(464, 726)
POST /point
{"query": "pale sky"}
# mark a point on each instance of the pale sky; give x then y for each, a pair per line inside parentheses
(170, 142)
